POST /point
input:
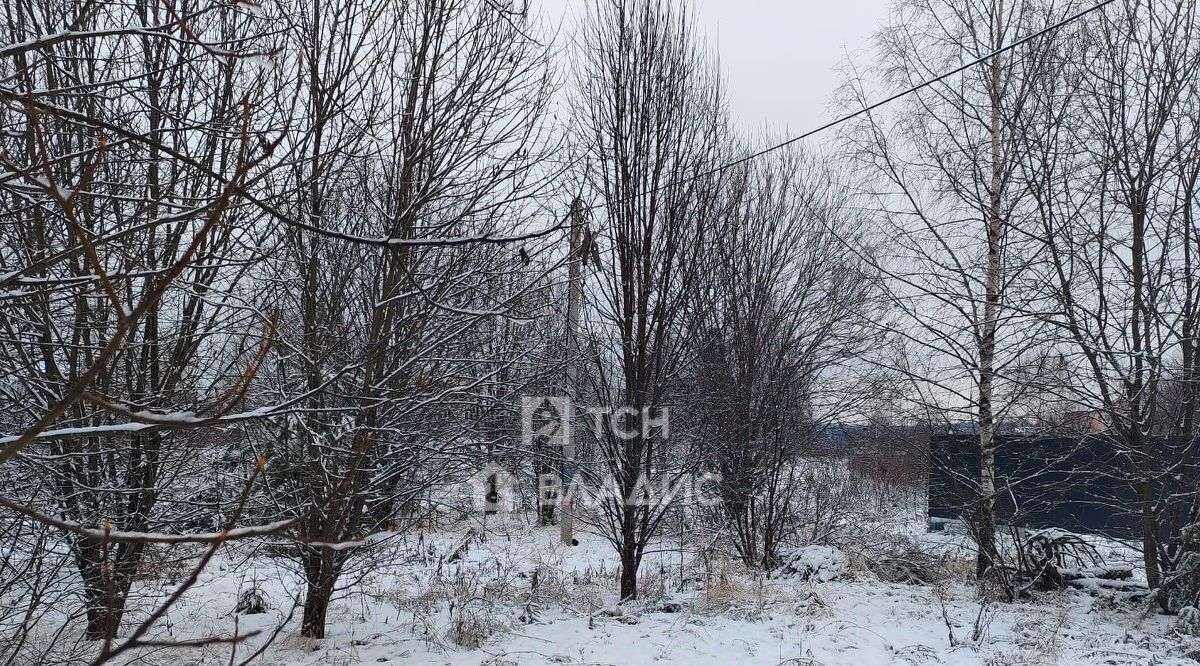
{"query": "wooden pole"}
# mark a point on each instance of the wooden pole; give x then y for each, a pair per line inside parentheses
(574, 301)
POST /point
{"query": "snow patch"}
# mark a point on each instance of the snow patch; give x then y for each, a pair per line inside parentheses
(819, 563)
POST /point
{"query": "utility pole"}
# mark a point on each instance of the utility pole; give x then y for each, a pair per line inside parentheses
(575, 260)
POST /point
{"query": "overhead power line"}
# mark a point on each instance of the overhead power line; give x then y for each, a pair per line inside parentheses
(875, 105)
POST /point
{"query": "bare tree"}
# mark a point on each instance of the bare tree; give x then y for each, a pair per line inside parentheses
(128, 143)
(949, 191)
(784, 309)
(650, 123)
(426, 131)
(1111, 166)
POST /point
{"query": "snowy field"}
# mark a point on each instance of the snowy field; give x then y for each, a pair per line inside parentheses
(278, 277)
(515, 595)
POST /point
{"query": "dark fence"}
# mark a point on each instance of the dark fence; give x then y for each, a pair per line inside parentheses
(1080, 484)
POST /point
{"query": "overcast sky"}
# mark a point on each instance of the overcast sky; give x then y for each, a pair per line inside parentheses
(779, 56)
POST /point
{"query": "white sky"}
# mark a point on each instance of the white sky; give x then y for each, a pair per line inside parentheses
(779, 56)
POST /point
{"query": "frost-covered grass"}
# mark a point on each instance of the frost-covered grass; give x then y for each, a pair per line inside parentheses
(518, 596)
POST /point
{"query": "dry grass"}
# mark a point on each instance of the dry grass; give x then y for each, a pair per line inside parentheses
(463, 604)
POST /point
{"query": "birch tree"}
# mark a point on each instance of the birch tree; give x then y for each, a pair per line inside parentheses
(946, 187)
(1111, 166)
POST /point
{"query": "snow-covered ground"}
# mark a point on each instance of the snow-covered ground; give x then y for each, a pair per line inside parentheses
(518, 596)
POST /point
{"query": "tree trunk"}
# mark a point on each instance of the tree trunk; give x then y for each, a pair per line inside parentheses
(1145, 494)
(320, 574)
(1149, 534)
(985, 561)
(629, 550)
(102, 619)
(104, 611)
(104, 591)
(1139, 405)
(543, 467)
(629, 567)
